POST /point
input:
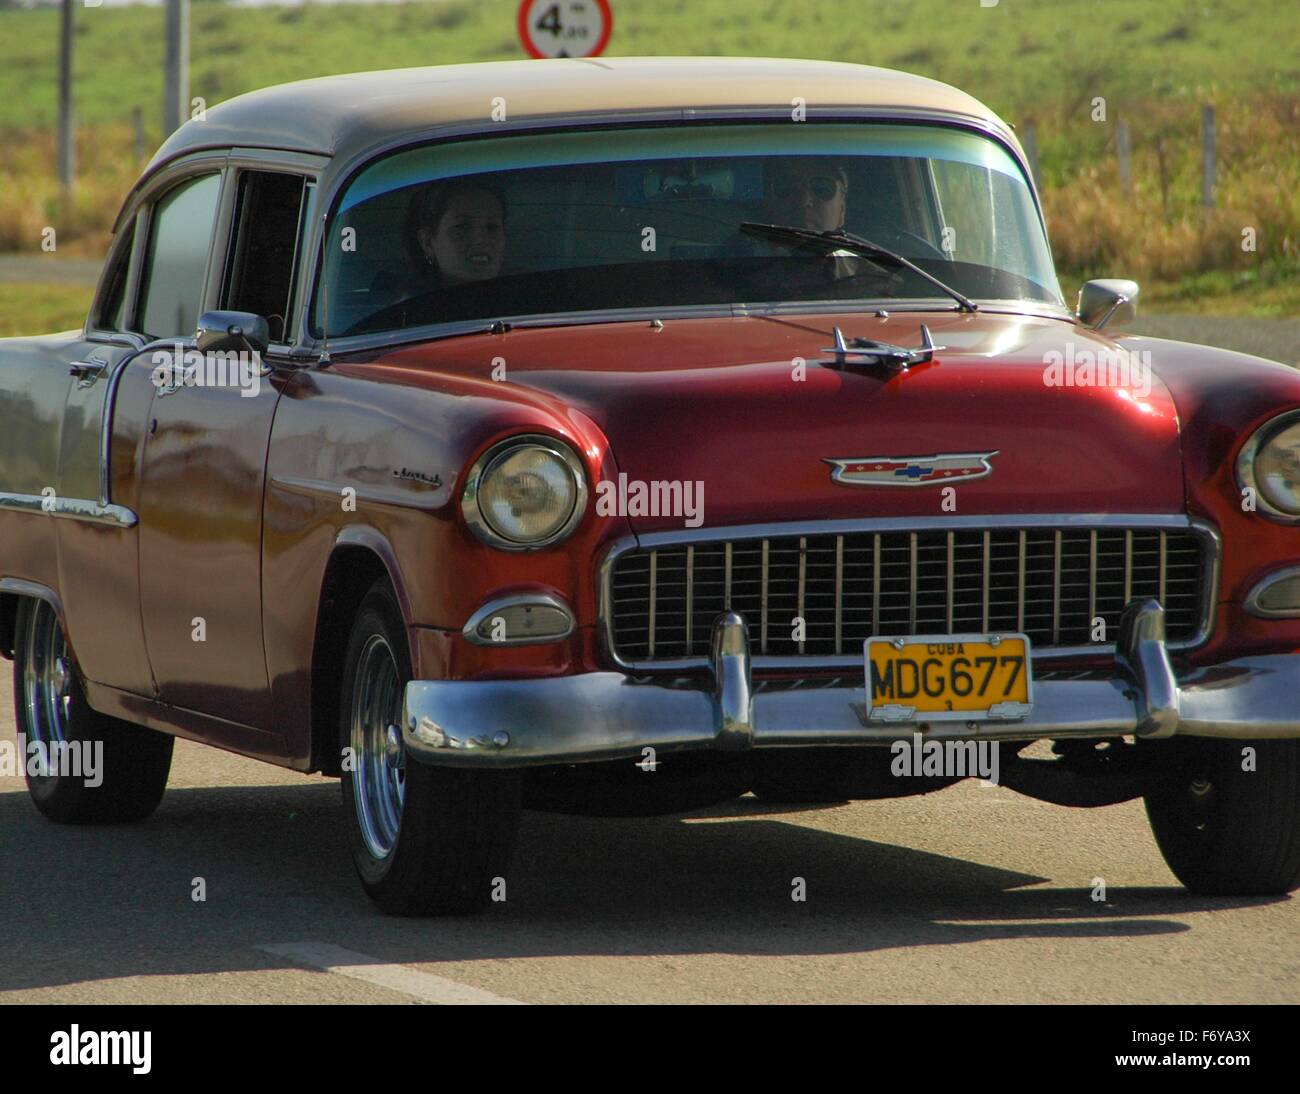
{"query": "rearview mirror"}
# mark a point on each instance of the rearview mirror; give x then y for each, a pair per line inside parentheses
(1107, 299)
(219, 331)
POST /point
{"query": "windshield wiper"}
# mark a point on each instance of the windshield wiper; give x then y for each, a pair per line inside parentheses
(827, 242)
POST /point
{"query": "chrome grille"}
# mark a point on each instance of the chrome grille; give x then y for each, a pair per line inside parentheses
(1049, 582)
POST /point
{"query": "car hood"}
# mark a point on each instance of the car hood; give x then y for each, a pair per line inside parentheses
(751, 410)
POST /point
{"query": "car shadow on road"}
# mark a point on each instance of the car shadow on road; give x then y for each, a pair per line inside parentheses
(100, 903)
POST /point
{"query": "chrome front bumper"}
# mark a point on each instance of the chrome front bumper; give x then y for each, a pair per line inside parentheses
(607, 715)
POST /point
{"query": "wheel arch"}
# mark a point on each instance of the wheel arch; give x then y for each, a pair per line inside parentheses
(13, 591)
(361, 556)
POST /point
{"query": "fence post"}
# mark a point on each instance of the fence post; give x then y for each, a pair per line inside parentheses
(1207, 157)
(137, 122)
(67, 135)
(176, 98)
(1125, 167)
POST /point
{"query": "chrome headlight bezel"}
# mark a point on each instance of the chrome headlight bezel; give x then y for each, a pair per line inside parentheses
(483, 466)
(1250, 452)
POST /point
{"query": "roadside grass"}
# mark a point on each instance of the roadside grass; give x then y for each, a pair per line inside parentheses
(28, 309)
(1018, 56)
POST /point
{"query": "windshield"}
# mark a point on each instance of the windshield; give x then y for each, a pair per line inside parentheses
(583, 222)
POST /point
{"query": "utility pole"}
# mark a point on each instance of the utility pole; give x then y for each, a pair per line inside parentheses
(67, 138)
(176, 102)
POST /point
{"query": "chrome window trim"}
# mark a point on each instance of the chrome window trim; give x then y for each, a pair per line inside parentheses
(1246, 464)
(492, 607)
(339, 179)
(1251, 603)
(1073, 521)
(479, 525)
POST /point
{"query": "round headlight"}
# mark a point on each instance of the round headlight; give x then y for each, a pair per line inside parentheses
(1270, 464)
(524, 493)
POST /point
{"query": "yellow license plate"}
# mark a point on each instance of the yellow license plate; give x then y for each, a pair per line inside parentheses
(961, 677)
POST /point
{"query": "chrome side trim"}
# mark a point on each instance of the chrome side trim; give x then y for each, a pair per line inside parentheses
(320, 488)
(1084, 521)
(83, 509)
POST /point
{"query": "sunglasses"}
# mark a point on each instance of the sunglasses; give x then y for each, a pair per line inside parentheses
(822, 188)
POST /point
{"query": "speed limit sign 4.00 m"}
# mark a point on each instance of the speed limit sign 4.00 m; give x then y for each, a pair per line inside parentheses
(565, 28)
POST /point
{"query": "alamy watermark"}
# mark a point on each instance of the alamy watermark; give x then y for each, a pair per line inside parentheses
(635, 498)
(179, 367)
(960, 759)
(77, 759)
(1099, 367)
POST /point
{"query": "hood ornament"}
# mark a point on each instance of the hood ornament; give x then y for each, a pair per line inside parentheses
(894, 358)
(945, 467)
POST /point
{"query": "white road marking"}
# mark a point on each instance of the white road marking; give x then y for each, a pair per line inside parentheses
(360, 966)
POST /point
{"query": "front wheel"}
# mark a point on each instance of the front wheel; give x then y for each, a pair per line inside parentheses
(425, 840)
(1226, 814)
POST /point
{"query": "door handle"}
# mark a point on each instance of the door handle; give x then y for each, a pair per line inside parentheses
(87, 372)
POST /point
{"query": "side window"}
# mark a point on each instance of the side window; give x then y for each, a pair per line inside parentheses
(113, 311)
(262, 261)
(176, 259)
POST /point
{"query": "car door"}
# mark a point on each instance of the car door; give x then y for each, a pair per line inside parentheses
(98, 562)
(204, 456)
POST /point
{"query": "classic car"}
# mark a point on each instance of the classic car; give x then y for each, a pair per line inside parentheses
(627, 436)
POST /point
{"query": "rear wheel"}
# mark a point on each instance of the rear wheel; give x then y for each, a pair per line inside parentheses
(1227, 820)
(82, 767)
(425, 840)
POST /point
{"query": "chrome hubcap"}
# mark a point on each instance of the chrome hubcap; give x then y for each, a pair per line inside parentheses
(47, 681)
(379, 778)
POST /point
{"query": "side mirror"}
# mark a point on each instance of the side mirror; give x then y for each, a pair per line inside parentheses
(1107, 299)
(219, 331)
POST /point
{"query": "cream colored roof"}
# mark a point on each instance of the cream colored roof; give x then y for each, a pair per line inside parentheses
(344, 115)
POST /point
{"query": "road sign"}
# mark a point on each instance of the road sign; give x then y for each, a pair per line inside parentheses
(564, 28)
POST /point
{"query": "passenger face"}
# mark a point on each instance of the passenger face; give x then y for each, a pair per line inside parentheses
(469, 240)
(808, 195)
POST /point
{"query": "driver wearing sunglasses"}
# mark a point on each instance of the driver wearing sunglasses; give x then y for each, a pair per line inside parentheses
(808, 193)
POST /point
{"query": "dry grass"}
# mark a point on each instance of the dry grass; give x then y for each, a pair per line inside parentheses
(1161, 231)
(1160, 234)
(30, 196)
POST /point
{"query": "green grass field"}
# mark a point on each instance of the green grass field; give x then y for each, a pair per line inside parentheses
(1021, 57)
(1154, 62)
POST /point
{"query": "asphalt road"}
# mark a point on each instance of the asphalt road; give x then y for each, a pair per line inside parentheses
(972, 895)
